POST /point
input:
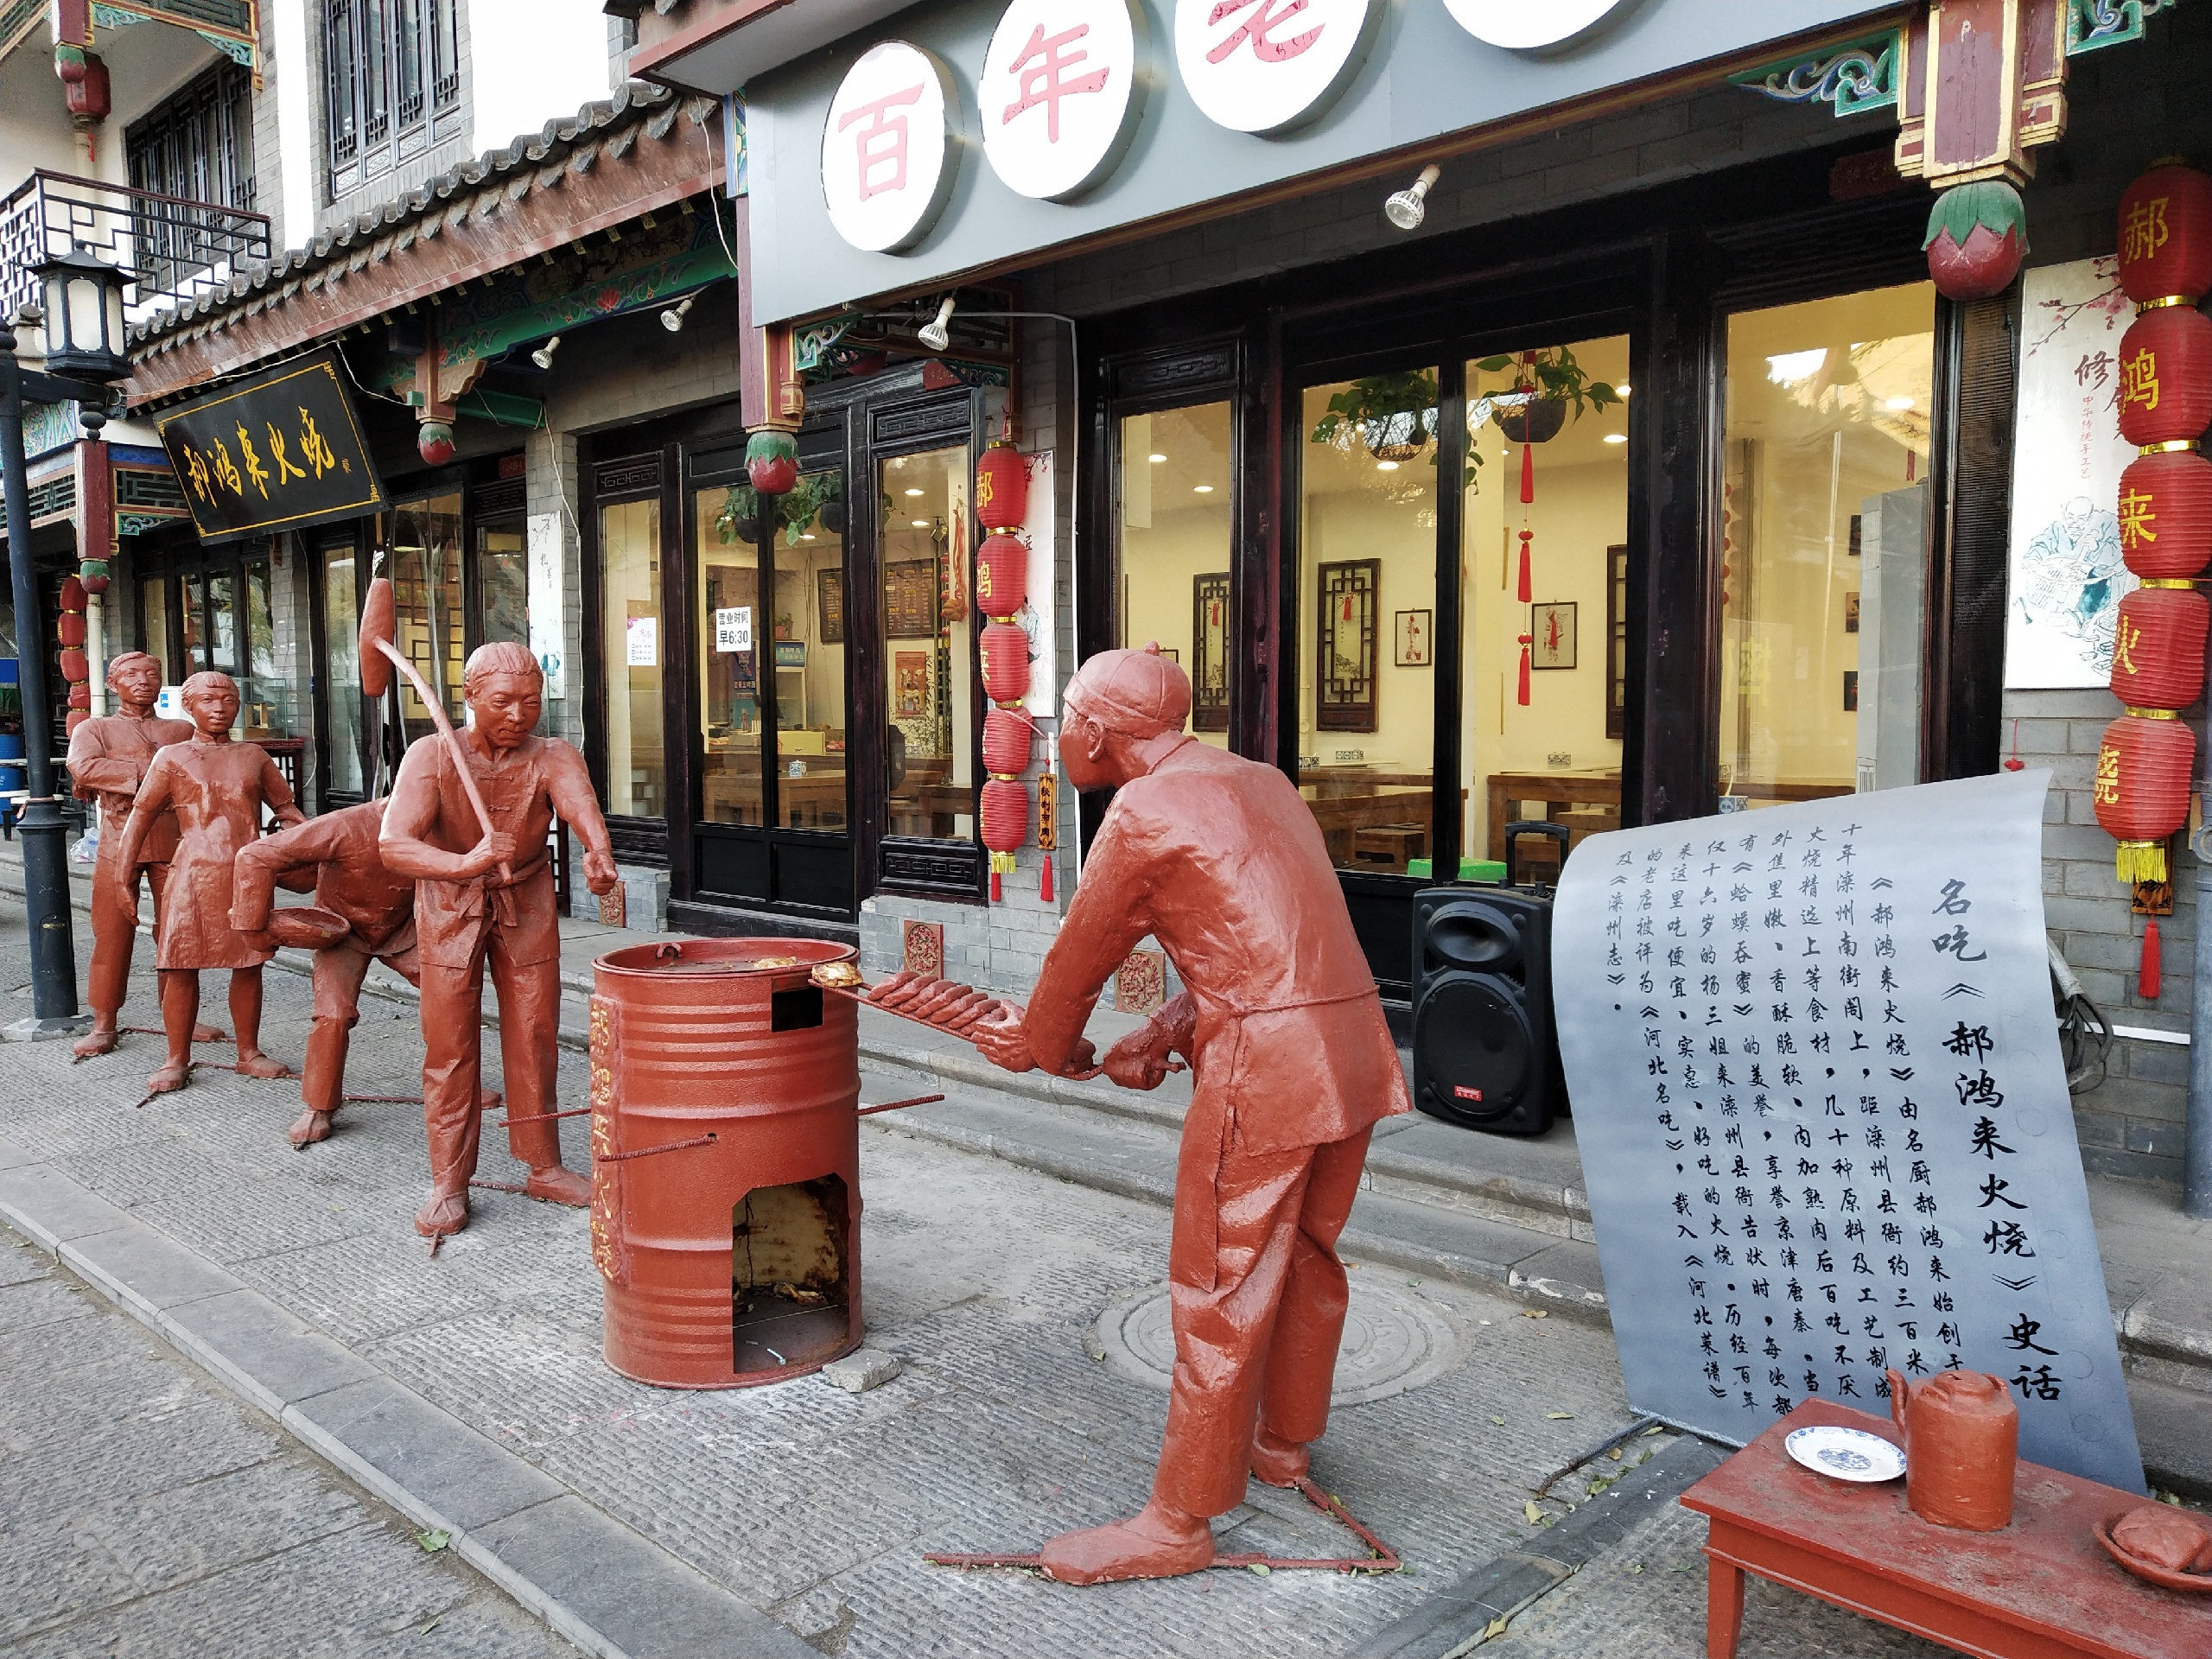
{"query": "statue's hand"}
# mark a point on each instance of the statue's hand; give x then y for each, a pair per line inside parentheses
(600, 873)
(1139, 1059)
(1001, 1040)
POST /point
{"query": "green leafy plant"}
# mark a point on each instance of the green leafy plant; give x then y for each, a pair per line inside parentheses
(1552, 374)
(11, 710)
(1392, 416)
(740, 508)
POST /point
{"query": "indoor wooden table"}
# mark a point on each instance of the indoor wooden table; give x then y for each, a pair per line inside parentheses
(2041, 1588)
(1554, 790)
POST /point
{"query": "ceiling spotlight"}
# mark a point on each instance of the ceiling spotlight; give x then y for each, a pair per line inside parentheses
(672, 318)
(1155, 460)
(937, 335)
(1409, 206)
(1622, 388)
(913, 491)
(1202, 489)
(544, 355)
(919, 524)
(1898, 402)
(1386, 466)
(1616, 437)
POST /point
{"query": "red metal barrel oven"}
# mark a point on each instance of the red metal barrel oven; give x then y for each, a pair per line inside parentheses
(726, 1195)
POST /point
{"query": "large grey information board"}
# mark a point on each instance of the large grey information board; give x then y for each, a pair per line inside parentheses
(1823, 1122)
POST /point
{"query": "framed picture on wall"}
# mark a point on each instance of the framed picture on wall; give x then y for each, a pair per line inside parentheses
(1346, 595)
(1851, 611)
(1850, 691)
(1616, 641)
(1412, 647)
(1171, 654)
(829, 604)
(1209, 652)
(909, 598)
(1551, 634)
(910, 679)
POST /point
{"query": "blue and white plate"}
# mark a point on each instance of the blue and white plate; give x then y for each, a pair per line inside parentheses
(1846, 1453)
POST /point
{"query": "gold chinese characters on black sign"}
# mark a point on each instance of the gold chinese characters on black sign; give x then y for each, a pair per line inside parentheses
(282, 451)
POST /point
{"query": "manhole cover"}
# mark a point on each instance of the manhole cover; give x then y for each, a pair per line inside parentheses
(1393, 1342)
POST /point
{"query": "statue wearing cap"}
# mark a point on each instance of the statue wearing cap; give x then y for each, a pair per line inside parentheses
(1217, 858)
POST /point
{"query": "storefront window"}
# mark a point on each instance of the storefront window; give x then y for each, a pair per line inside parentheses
(729, 671)
(1175, 542)
(929, 648)
(426, 588)
(629, 544)
(1556, 758)
(1366, 583)
(341, 611)
(809, 647)
(154, 624)
(1824, 556)
(267, 695)
(195, 623)
(502, 585)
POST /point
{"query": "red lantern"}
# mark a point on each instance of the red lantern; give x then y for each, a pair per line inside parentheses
(2165, 514)
(2142, 790)
(1001, 488)
(1001, 575)
(2166, 376)
(74, 667)
(70, 630)
(1006, 815)
(1008, 735)
(1005, 663)
(80, 696)
(73, 594)
(2157, 653)
(2165, 234)
(77, 717)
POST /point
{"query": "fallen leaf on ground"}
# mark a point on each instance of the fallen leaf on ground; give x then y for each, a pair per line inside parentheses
(1495, 1629)
(1500, 1421)
(1635, 1567)
(1535, 1313)
(1535, 1516)
(432, 1625)
(1615, 1454)
(1261, 1568)
(1556, 1416)
(432, 1543)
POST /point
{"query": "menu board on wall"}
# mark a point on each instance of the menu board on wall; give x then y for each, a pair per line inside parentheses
(1825, 1127)
(2067, 579)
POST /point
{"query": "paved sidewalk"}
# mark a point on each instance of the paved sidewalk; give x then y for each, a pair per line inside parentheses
(150, 1515)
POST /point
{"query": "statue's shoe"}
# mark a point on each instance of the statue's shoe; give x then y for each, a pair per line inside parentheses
(446, 1213)
(1277, 1462)
(556, 1184)
(1110, 1554)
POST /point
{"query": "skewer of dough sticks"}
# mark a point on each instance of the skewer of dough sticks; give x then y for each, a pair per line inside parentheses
(842, 979)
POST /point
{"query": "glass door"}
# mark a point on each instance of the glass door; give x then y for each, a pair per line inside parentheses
(929, 648)
(342, 748)
(774, 797)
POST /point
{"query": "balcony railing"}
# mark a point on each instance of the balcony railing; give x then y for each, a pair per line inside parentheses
(179, 250)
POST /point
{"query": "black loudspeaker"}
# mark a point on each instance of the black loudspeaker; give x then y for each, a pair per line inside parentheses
(1485, 1045)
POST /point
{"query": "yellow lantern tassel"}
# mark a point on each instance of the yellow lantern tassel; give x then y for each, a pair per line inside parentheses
(2140, 861)
(1003, 863)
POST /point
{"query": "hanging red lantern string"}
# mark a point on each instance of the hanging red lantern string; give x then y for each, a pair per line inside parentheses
(2165, 234)
(1526, 590)
(1002, 589)
(76, 667)
(1527, 640)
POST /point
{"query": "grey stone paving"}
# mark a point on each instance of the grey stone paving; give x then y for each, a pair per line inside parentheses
(144, 1514)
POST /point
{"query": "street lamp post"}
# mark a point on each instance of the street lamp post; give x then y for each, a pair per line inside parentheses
(83, 299)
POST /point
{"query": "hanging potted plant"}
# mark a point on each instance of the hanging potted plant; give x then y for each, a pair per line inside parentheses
(1545, 385)
(1392, 416)
(818, 493)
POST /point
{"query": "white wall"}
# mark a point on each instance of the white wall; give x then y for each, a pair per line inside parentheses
(533, 59)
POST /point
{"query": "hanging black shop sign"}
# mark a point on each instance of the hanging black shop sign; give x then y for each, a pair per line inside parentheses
(280, 451)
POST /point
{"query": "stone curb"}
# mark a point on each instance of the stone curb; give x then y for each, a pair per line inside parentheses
(591, 1578)
(1456, 1619)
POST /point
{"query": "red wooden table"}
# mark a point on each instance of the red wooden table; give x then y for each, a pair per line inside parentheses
(2041, 1588)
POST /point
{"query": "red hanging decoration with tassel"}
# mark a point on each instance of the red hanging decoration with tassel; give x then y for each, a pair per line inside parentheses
(1527, 590)
(2146, 981)
(1527, 639)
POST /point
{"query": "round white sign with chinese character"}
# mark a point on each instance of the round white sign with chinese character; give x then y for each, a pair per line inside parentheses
(1266, 66)
(1521, 26)
(889, 148)
(1058, 93)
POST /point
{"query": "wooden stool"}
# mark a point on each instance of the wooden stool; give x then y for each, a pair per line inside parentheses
(1388, 844)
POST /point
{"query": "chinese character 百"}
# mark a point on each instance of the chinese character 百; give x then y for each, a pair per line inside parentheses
(1042, 71)
(880, 142)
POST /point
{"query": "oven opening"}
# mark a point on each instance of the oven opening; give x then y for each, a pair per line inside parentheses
(789, 1289)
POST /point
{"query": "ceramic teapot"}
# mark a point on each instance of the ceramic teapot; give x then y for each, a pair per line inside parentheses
(1962, 1434)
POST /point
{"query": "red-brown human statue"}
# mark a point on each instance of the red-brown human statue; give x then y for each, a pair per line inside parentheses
(487, 899)
(1218, 859)
(341, 850)
(216, 787)
(108, 758)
